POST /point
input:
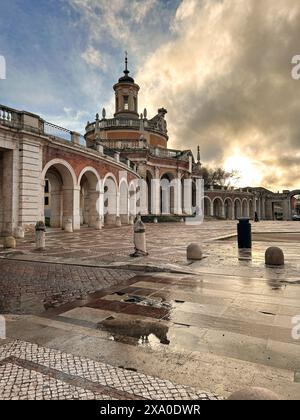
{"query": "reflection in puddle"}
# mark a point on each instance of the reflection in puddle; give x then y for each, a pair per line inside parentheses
(136, 332)
(154, 303)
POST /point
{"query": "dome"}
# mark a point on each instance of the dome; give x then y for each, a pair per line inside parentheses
(126, 78)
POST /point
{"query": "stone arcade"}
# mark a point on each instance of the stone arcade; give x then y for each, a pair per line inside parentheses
(48, 171)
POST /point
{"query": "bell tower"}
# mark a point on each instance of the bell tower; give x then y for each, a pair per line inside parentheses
(126, 95)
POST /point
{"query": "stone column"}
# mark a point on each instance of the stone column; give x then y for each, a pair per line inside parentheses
(177, 196)
(76, 208)
(56, 209)
(287, 212)
(187, 204)
(155, 196)
(94, 215)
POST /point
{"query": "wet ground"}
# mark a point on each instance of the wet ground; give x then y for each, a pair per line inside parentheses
(225, 325)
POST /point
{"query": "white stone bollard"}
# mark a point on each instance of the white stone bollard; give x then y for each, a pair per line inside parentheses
(68, 226)
(131, 219)
(155, 220)
(40, 236)
(118, 221)
(139, 238)
(19, 232)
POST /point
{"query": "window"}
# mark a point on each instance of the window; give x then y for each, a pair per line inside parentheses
(46, 201)
(126, 102)
(46, 186)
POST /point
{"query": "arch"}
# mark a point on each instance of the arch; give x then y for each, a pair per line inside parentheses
(293, 208)
(88, 171)
(237, 208)
(218, 207)
(228, 208)
(55, 162)
(112, 176)
(90, 206)
(62, 182)
(110, 207)
(245, 208)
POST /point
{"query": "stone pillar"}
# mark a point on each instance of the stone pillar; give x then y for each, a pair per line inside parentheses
(269, 214)
(71, 206)
(223, 215)
(56, 209)
(187, 204)
(155, 196)
(75, 138)
(263, 208)
(287, 210)
(75, 209)
(177, 196)
(94, 215)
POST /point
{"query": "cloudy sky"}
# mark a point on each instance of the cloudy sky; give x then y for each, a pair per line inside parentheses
(222, 68)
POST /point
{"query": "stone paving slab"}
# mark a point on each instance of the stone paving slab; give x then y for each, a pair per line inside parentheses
(29, 371)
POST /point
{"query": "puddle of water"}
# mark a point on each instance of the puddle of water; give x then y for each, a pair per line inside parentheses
(136, 332)
(154, 303)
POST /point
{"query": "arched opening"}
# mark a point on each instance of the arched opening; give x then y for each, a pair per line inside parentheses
(59, 182)
(237, 208)
(295, 205)
(245, 208)
(149, 178)
(110, 200)
(124, 202)
(218, 208)
(167, 194)
(89, 199)
(207, 207)
(228, 206)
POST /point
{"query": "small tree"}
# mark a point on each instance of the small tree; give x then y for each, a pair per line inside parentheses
(219, 177)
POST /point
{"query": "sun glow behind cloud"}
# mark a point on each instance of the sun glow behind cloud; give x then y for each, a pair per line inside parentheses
(249, 171)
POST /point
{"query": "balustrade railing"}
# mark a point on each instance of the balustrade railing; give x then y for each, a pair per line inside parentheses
(56, 131)
(9, 116)
(124, 122)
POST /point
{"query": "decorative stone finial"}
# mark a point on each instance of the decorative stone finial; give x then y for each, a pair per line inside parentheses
(104, 113)
(198, 154)
(97, 116)
(145, 113)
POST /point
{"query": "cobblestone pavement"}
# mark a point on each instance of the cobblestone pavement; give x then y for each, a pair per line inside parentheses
(32, 287)
(166, 244)
(32, 372)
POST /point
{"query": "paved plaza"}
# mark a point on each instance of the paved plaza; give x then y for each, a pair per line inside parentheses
(201, 330)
